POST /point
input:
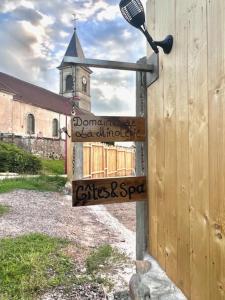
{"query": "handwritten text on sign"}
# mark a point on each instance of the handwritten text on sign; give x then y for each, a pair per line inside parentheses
(107, 129)
(109, 190)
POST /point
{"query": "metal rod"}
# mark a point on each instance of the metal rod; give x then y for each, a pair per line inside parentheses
(107, 64)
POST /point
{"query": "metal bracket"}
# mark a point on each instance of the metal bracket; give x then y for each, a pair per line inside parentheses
(108, 64)
(153, 76)
(150, 65)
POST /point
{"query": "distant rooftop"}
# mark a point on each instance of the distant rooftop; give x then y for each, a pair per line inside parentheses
(34, 95)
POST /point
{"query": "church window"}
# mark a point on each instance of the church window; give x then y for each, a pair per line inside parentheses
(30, 124)
(69, 83)
(84, 84)
(55, 127)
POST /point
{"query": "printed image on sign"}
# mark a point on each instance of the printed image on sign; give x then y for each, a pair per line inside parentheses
(88, 128)
(109, 190)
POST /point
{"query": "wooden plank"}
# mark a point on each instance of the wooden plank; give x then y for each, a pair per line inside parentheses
(109, 190)
(216, 88)
(154, 102)
(183, 217)
(198, 149)
(169, 65)
(107, 129)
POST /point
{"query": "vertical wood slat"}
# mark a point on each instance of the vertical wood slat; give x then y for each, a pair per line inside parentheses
(216, 92)
(153, 127)
(168, 24)
(198, 149)
(182, 144)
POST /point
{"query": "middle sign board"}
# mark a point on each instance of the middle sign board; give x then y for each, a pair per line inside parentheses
(88, 128)
(109, 190)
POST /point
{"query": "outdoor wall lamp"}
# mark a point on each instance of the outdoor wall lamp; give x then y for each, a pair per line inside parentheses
(133, 13)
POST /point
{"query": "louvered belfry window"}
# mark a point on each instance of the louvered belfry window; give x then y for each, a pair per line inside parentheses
(69, 83)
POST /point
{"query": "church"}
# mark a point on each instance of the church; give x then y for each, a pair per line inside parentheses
(37, 119)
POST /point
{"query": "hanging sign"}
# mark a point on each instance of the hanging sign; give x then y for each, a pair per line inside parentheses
(109, 190)
(88, 128)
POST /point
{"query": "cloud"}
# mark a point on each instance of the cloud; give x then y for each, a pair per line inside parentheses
(113, 92)
(28, 14)
(108, 106)
(35, 35)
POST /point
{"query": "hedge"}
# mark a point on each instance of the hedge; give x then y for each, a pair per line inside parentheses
(16, 160)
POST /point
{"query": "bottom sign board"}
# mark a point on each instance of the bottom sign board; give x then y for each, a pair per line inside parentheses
(109, 190)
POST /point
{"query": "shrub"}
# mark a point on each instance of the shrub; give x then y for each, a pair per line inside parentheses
(14, 159)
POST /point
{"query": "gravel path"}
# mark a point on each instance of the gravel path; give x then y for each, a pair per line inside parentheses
(51, 213)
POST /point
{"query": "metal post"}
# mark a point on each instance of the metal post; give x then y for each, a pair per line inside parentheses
(77, 157)
(141, 167)
(143, 80)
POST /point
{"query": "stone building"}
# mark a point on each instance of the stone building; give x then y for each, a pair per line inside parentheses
(33, 117)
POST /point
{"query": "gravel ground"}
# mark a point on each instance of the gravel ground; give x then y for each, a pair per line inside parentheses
(125, 213)
(51, 213)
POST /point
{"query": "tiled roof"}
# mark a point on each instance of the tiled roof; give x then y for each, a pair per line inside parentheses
(34, 95)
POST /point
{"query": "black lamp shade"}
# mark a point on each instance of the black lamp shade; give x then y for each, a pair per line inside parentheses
(133, 12)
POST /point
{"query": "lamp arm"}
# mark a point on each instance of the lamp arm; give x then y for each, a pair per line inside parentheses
(150, 40)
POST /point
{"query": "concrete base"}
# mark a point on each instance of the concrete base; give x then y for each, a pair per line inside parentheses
(153, 283)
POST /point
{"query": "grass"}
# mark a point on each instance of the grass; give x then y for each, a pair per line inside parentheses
(3, 209)
(103, 257)
(31, 263)
(34, 263)
(53, 167)
(40, 183)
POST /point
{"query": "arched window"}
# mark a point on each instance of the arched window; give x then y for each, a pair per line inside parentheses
(30, 124)
(69, 83)
(84, 84)
(55, 127)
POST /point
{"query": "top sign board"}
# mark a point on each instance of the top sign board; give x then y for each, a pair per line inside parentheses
(88, 128)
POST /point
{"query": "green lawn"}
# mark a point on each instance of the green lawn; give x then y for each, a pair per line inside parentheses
(3, 209)
(40, 183)
(52, 167)
(34, 263)
(31, 263)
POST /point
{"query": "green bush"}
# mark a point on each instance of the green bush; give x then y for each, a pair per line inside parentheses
(16, 160)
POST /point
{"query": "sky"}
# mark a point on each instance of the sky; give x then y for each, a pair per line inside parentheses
(34, 35)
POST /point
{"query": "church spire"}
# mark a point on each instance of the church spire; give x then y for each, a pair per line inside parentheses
(74, 49)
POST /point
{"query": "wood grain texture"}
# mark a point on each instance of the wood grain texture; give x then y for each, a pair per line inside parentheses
(186, 119)
(182, 144)
(107, 129)
(153, 100)
(198, 149)
(109, 190)
(216, 93)
(170, 178)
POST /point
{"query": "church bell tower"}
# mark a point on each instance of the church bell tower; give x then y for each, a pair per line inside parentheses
(74, 79)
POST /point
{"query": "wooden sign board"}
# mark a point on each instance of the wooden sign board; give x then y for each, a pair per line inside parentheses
(109, 190)
(107, 129)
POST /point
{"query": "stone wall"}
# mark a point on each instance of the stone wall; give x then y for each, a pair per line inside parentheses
(43, 147)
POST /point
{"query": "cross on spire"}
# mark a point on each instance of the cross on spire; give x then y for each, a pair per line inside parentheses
(74, 21)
